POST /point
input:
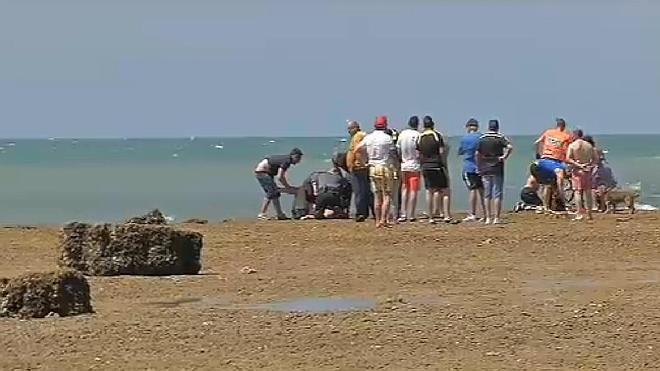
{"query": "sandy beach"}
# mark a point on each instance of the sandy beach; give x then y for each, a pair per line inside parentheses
(538, 293)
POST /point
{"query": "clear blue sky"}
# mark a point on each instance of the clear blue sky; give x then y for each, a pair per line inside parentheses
(302, 67)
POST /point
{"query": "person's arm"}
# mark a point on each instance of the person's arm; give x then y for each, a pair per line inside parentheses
(508, 149)
(281, 176)
(539, 145)
(315, 185)
(461, 149)
(570, 158)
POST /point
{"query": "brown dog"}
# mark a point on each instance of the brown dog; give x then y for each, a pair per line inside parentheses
(616, 196)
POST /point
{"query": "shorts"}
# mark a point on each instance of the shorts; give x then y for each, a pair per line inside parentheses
(473, 181)
(435, 179)
(411, 180)
(493, 186)
(544, 171)
(267, 183)
(581, 180)
(381, 178)
(551, 165)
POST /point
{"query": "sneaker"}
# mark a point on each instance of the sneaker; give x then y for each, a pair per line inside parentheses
(488, 221)
(431, 221)
(498, 221)
(578, 218)
(262, 217)
(519, 207)
(412, 220)
(283, 217)
(360, 219)
(470, 218)
(402, 219)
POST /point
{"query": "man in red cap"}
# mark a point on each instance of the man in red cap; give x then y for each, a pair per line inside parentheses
(379, 147)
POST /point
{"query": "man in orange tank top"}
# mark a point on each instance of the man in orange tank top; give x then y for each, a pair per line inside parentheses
(552, 147)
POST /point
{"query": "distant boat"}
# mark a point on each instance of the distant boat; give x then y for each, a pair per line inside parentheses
(175, 155)
(271, 141)
(51, 139)
(219, 147)
(343, 140)
(192, 138)
(11, 144)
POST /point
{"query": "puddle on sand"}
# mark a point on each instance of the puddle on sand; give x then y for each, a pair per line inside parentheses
(174, 303)
(319, 305)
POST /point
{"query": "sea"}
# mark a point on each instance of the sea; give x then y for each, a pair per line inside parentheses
(54, 181)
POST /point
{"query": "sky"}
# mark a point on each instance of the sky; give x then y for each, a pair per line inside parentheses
(165, 68)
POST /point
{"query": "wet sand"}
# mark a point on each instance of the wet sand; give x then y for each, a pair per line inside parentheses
(536, 293)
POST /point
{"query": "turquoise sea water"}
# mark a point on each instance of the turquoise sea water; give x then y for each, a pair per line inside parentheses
(55, 181)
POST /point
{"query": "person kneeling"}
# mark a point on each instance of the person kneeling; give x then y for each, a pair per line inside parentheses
(331, 194)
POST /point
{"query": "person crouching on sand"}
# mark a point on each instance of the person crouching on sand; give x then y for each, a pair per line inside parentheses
(266, 171)
(379, 148)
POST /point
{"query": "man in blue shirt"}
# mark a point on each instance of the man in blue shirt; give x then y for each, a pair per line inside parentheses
(467, 149)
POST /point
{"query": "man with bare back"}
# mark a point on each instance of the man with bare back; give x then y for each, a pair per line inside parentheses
(581, 157)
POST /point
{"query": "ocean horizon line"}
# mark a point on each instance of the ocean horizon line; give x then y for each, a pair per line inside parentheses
(194, 137)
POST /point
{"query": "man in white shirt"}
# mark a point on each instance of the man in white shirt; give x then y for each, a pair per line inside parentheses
(379, 147)
(410, 169)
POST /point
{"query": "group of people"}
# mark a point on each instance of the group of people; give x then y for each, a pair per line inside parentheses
(383, 171)
(561, 154)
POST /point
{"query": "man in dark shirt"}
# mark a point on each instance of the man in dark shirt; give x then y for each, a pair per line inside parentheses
(331, 192)
(266, 171)
(432, 154)
(493, 150)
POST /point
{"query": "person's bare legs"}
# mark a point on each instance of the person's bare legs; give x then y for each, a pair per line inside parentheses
(385, 209)
(498, 208)
(278, 207)
(579, 205)
(547, 197)
(589, 204)
(437, 202)
(412, 207)
(264, 206)
(559, 175)
(480, 196)
(378, 208)
(446, 203)
(473, 202)
(488, 204)
(405, 194)
(430, 203)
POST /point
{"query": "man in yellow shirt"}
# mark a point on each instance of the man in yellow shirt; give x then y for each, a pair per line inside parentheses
(358, 167)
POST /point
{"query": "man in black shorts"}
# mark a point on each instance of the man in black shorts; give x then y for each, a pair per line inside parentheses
(432, 153)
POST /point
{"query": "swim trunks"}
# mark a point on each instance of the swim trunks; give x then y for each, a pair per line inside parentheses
(473, 181)
(411, 180)
(547, 170)
(581, 180)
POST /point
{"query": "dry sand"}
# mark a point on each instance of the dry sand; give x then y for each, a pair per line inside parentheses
(538, 293)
